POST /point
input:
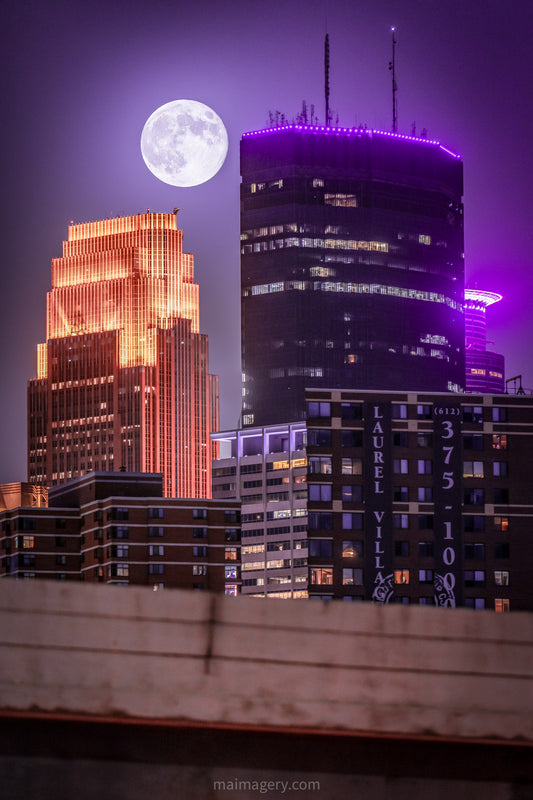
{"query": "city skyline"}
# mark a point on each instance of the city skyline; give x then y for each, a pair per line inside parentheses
(82, 82)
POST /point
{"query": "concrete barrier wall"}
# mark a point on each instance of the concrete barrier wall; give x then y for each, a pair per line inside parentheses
(189, 656)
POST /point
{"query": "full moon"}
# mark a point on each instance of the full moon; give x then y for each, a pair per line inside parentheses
(184, 143)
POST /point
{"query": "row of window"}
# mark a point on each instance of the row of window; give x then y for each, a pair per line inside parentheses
(354, 520)
(354, 576)
(471, 414)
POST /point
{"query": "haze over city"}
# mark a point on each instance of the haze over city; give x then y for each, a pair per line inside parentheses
(82, 80)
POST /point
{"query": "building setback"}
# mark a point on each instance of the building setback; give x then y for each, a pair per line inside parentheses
(352, 269)
(420, 498)
(117, 528)
(123, 379)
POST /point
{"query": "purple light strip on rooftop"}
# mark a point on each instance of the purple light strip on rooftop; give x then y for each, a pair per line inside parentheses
(349, 131)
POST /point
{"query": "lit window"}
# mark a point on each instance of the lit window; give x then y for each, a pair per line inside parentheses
(424, 239)
(499, 441)
(502, 605)
(473, 469)
(424, 466)
(501, 577)
(501, 524)
(28, 542)
(425, 576)
(321, 575)
(353, 576)
(401, 576)
(352, 466)
(351, 549)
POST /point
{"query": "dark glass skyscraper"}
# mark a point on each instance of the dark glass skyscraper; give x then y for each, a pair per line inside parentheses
(352, 269)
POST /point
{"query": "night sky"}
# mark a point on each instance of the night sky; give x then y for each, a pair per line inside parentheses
(80, 80)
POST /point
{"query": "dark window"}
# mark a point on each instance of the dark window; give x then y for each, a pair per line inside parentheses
(423, 411)
(352, 438)
(316, 409)
(424, 440)
(199, 550)
(232, 515)
(425, 576)
(500, 469)
(320, 519)
(199, 533)
(499, 414)
(425, 522)
(425, 494)
(156, 569)
(475, 602)
(471, 523)
(401, 549)
(475, 551)
(501, 550)
(352, 521)
(400, 520)
(317, 437)
(61, 523)
(473, 414)
(232, 535)
(400, 439)
(199, 513)
(473, 441)
(399, 411)
(352, 493)
(320, 492)
(351, 410)
(321, 548)
(501, 496)
(155, 513)
(425, 549)
(474, 497)
(155, 530)
(61, 541)
(474, 577)
(401, 494)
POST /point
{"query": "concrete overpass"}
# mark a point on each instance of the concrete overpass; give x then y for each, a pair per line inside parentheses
(128, 693)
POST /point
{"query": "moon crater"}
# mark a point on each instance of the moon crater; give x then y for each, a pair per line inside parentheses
(184, 143)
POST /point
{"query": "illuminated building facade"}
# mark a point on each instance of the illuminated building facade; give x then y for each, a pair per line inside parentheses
(387, 497)
(484, 369)
(352, 269)
(420, 498)
(266, 470)
(117, 528)
(122, 380)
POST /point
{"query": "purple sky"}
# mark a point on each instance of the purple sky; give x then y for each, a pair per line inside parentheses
(80, 80)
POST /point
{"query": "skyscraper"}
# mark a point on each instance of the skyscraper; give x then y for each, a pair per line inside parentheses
(352, 267)
(122, 379)
(484, 369)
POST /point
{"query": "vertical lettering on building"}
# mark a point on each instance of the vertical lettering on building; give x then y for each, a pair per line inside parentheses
(378, 493)
(447, 497)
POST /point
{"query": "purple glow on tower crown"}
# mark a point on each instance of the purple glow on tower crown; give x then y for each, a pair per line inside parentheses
(370, 132)
(476, 298)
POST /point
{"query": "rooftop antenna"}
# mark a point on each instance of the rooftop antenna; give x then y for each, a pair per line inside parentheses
(392, 68)
(326, 77)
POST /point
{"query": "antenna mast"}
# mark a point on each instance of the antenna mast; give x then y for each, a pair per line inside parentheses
(326, 79)
(392, 68)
